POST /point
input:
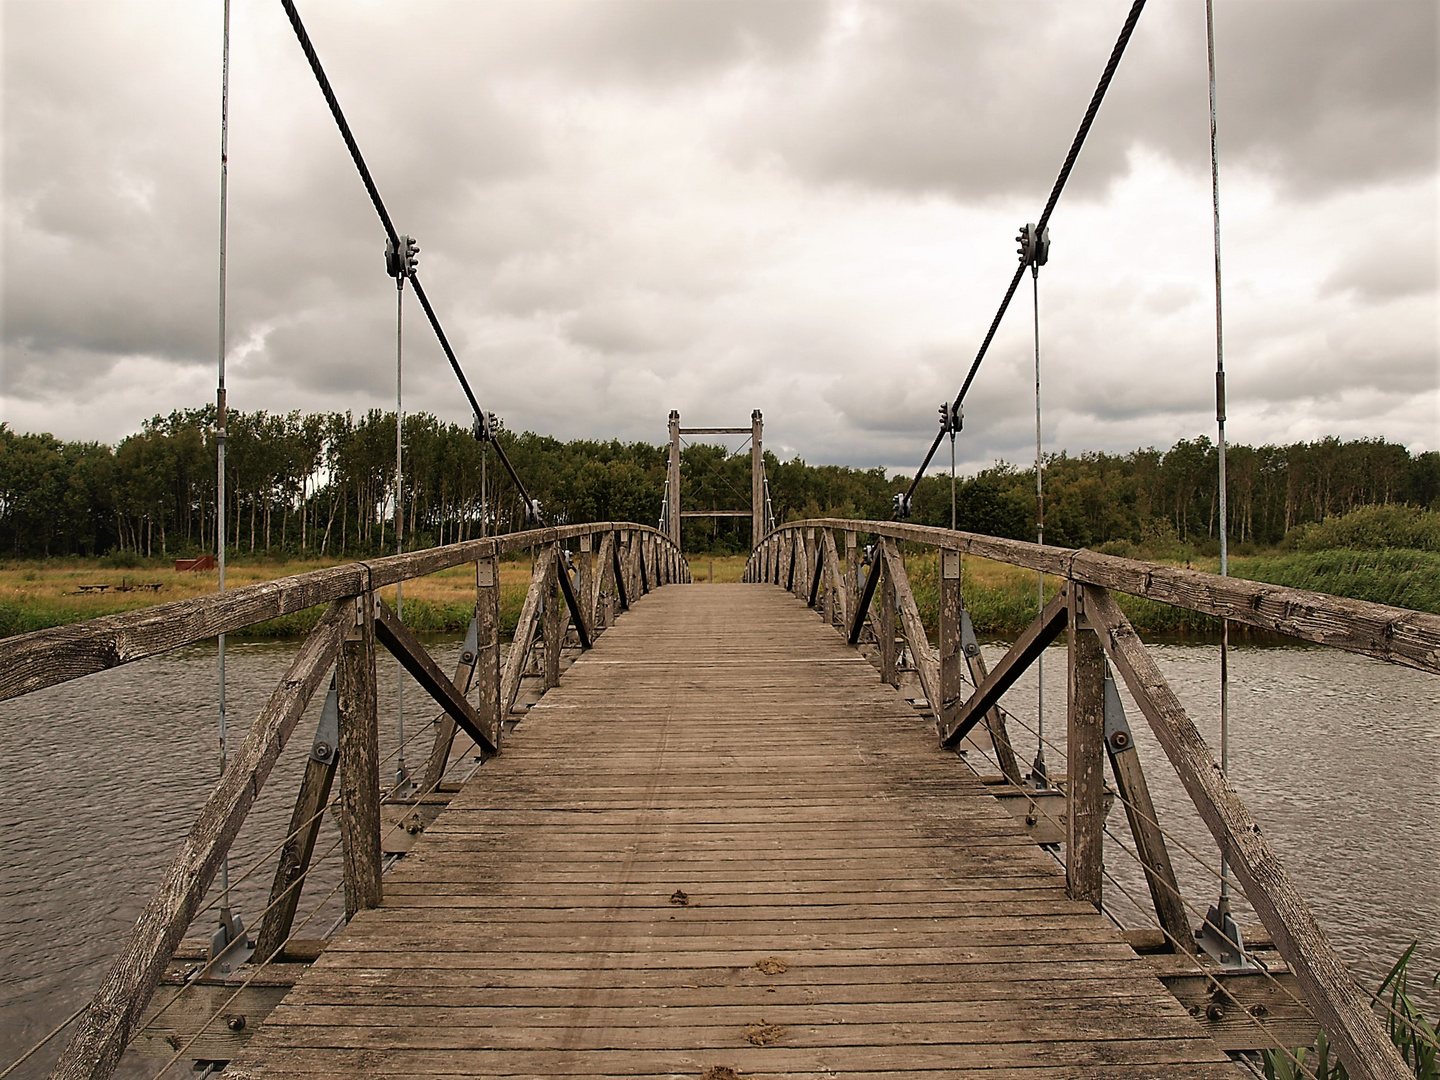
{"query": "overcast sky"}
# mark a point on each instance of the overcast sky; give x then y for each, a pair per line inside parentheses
(806, 208)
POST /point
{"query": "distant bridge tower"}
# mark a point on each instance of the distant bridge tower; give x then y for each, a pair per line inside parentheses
(759, 511)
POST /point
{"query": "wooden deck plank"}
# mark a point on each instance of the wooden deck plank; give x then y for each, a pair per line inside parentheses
(725, 743)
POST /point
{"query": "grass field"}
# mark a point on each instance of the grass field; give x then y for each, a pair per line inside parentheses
(36, 593)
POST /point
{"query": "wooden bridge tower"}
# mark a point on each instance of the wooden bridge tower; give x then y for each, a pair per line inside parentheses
(757, 513)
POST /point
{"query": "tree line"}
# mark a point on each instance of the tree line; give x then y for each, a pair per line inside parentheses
(323, 484)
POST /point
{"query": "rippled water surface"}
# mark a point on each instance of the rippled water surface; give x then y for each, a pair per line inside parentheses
(1337, 756)
(100, 781)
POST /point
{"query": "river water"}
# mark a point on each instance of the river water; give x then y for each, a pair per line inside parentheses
(1337, 757)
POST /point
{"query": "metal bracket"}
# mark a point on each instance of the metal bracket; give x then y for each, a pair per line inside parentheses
(1219, 935)
(230, 946)
(1118, 736)
(471, 649)
(968, 643)
(326, 747)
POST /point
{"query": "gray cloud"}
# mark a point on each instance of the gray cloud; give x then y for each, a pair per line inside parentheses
(979, 99)
(803, 207)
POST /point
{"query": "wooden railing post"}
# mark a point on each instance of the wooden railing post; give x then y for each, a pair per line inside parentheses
(925, 667)
(555, 620)
(359, 759)
(602, 601)
(1084, 758)
(837, 606)
(798, 579)
(809, 565)
(525, 628)
(586, 559)
(487, 642)
(827, 576)
(952, 655)
(852, 576)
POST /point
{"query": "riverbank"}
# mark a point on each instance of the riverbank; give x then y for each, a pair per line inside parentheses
(39, 593)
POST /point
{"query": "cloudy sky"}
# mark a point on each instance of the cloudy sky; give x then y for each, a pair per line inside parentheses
(804, 207)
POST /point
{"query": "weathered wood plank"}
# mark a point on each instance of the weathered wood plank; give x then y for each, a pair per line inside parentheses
(1330, 991)
(926, 666)
(525, 628)
(305, 821)
(359, 759)
(104, 1028)
(1084, 761)
(885, 622)
(1140, 812)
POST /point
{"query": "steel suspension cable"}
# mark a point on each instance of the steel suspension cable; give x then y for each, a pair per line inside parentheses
(1059, 186)
(481, 420)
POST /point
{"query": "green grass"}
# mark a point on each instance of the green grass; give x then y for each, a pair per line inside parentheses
(1413, 1035)
(1398, 576)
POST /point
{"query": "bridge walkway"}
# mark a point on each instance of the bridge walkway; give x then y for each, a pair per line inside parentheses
(723, 844)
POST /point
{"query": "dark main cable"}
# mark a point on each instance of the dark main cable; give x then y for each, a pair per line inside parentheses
(484, 422)
(903, 502)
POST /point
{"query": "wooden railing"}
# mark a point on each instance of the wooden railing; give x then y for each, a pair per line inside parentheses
(803, 556)
(614, 564)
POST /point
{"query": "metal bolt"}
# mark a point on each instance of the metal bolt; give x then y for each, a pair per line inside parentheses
(467, 657)
(235, 1023)
(321, 749)
(1120, 740)
(1214, 1012)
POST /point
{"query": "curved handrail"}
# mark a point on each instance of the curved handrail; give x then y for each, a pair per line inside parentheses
(1398, 635)
(33, 661)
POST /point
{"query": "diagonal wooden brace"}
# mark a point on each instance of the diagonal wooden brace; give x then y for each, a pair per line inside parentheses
(1022, 654)
(406, 648)
(577, 616)
(620, 587)
(862, 608)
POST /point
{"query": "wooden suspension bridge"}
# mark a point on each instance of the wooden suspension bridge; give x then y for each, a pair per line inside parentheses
(723, 844)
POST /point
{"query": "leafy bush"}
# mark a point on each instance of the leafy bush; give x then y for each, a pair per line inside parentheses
(1370, 528)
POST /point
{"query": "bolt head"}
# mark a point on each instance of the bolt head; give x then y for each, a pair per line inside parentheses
(235, 1023)
(1120, 740)
(321, 749)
